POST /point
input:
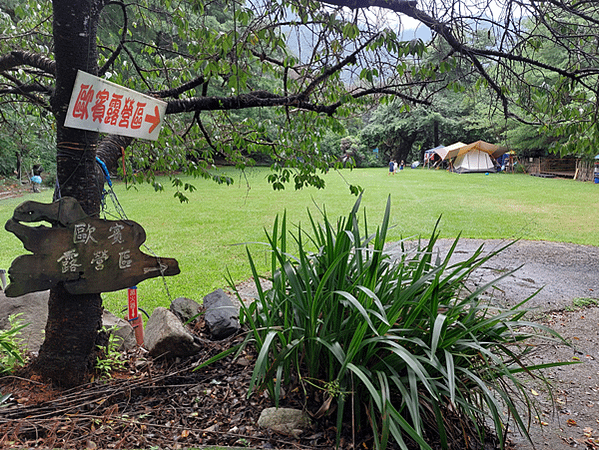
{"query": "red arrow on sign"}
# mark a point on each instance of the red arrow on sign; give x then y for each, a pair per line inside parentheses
(154, 120)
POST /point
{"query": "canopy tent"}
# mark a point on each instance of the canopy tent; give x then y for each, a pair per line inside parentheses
(492, 150)
(430, 151)
(476, 157)
(450, 151)
(429, 155)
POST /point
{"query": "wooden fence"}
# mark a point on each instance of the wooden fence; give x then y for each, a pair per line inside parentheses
(574, 168)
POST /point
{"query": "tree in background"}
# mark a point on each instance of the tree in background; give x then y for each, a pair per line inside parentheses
(535, 62)
(458, 111)
(219, 65)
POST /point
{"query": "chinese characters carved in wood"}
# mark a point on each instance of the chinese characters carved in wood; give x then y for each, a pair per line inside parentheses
(88, 254)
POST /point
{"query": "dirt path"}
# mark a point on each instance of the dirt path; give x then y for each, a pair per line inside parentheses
(569, 277)
(571, 418)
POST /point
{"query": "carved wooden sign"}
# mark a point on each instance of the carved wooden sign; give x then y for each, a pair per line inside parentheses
(90, 255)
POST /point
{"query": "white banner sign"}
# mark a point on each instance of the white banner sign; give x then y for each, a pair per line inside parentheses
(102, 106)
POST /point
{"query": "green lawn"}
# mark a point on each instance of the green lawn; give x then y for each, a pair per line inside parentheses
(203, 235)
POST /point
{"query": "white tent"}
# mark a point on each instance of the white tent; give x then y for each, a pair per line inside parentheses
(450, 151)
(476, 157)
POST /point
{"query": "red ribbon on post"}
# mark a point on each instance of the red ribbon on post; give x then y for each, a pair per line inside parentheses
(134, 318)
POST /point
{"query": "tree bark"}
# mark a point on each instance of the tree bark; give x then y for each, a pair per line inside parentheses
(405, 147)
(67, 354)
(19, 165)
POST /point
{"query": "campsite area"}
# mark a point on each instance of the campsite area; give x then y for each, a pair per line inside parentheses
(506, 207)
(479, 156)
(188, 146)
(205, 234)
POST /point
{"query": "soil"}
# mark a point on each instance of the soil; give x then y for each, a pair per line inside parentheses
(169, 405)
(10, 188)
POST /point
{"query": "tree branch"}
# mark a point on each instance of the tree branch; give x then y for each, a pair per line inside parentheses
(117, 51)
(393, 5)
(18, 58)
(109, 149)
(350, 59)
(175, 92)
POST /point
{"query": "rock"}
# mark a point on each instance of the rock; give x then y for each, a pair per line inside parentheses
(185, 308)
(166, 336)
(122, 329)
(33, 308)
(221, 316)
(288, 421)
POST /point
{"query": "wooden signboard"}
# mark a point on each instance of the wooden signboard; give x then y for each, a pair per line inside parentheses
(89, 255)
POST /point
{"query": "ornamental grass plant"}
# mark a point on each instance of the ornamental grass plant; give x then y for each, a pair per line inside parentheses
(401, 345)
(11, 353)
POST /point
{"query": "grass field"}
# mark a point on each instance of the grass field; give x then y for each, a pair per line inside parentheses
(205, 234)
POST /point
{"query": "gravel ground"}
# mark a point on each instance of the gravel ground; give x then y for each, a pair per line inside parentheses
(563, 272)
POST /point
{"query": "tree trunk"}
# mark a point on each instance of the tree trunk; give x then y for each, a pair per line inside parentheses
(19, 166)
(67, 355)
(405, 146)
(68, 351)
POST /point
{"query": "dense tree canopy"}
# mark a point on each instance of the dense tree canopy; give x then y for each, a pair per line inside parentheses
(221, 64)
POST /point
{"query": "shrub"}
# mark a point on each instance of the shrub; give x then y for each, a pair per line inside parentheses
(110, 358)
(399, 344)
(11, 354)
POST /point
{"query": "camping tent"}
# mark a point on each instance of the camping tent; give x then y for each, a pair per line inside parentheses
(450, 151)
(477, 157)
(441, 153)
(429, 155)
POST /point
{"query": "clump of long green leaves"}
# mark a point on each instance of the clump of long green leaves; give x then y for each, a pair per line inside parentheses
(110, 358)
(11, 353)
(393, 343)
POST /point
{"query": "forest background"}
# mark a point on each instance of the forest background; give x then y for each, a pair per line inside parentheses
(377, 131)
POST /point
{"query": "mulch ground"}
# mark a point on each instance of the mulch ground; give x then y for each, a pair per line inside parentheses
(164, 404)
(167, 405)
